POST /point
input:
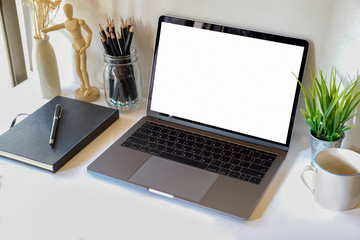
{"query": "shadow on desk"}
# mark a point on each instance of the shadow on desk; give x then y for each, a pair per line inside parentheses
(97, 146)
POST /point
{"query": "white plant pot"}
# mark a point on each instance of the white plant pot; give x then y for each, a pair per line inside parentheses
(45, 68)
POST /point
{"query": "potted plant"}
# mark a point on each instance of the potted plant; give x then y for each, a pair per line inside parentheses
(329, 106)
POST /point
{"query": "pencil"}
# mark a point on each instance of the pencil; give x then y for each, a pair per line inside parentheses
(111, 45)
(123, 30)
(112, 24)
(107, 25)
(121, 44)
(106, 46)
(102, 31)
(129, 40)
(129, 25)
(115, 43)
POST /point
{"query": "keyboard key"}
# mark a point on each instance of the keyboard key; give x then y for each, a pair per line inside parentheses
(235, 149)
(255, 154)
(180, 140)
(216, 144)
(224, 171)
(169, 144)
(171, 138)
(154, 133)
(196, 157)
(226, 165)
(126, 144)
(244, 178)
(136, 140)
(198, 139)
(208, 148)
(236, 168)
(225, 146)
(245, 164)
(196, 150)
(255, 180)
(216, 163)
(135, 146)
(212, 168)
(143, 131)
(198, 145)
(267, 157)
(225, 159)
(258, 168)
(178, 146)
(186, 155)
(206, 160)
(252, 172)
(226, 153)
(154, 152)
(144, 149)
(189, 137)
(163, 136)
(234, 174)
(139, 135)
(150, 144)
(236, 155)
(266, 163)
(159, 147)
(169, 149)
(217, 150)
(187, 148)
(257, 160)
(178, 152)
(160, 141)
(246, 158)
(205, 153)
(235, 161)
(215, 156)
(183, 160)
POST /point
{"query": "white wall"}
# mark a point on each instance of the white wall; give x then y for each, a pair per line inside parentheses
(332, 26)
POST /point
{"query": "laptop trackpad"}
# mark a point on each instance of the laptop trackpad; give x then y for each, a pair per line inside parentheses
(170, 177)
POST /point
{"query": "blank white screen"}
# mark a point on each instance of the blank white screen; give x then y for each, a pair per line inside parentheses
(229, 81)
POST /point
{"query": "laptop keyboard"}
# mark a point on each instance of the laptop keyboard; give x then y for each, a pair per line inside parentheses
(200, 151)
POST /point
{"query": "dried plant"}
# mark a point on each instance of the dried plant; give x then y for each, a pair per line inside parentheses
(40, 13)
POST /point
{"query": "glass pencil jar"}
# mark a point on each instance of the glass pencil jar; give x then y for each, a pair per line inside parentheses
(122, 81)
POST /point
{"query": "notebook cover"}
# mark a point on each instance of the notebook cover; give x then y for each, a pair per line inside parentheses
(80, 123)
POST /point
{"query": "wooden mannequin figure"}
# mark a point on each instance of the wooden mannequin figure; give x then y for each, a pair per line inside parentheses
(73, 25)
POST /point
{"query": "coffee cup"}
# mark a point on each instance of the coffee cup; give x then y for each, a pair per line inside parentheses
(335, 181)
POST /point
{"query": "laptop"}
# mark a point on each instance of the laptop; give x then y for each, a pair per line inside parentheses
(220, 114)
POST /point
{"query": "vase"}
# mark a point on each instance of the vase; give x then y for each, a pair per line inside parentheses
(122, 81)
(45, 68)
(318, 145)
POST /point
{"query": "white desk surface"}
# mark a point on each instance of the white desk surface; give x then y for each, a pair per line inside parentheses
(72, 204)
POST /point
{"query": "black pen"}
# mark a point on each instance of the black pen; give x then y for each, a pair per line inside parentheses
(57, 116)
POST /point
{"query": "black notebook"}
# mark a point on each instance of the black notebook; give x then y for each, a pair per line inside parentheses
(80, 123)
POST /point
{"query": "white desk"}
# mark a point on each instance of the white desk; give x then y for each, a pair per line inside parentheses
(75, 205)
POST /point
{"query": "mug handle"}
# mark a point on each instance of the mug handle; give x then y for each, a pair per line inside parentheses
(308, 168)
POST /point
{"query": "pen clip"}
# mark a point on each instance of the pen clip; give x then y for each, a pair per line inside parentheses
(61, 110)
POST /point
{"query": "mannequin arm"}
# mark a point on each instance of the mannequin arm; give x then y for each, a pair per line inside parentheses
(89, 36)
(54, 28)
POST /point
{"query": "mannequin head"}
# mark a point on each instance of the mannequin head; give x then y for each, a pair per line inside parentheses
(68, 10)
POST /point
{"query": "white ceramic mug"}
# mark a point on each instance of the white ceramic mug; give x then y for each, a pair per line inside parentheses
(336, 178)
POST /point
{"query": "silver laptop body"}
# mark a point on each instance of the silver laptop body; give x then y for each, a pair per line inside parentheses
(222, 85)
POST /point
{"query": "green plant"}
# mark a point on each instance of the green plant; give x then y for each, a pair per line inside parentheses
(327, 108)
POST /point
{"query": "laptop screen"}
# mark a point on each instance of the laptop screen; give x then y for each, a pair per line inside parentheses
(228, 78)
